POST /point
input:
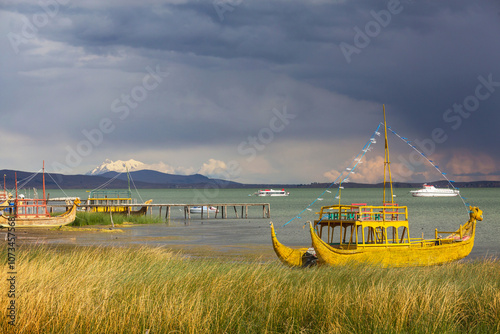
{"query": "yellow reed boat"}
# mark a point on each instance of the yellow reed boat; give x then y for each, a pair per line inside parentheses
(26, 212)
(380, 235)
(34, 213)
(114, 201)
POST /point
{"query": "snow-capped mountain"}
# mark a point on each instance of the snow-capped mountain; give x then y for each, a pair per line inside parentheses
(118, 166)
(212, 168)
(121, 166)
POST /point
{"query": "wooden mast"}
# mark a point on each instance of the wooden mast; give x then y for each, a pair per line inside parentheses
(16, 200)
(43, 172)
(387, 163)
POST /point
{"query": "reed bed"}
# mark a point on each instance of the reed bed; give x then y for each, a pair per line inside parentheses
(99, 218)
(152, 290)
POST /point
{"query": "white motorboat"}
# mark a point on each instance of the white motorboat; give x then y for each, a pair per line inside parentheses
(431, 191)
(272, 192)
(209, 209)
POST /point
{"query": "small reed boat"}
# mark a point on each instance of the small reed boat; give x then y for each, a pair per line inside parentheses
(24, 212)
(115, 201)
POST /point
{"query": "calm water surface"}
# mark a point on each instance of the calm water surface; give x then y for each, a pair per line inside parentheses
(425, 214)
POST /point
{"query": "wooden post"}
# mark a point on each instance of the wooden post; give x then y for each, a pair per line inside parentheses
(246, 211)
(168, 212)
(235, 211)
(160, 212)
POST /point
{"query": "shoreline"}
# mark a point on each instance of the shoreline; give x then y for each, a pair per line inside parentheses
(122, 236)
(196, 245)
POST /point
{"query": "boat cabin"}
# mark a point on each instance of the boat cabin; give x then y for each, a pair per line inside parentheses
(360, 225)
(105, 199)
(29, 208)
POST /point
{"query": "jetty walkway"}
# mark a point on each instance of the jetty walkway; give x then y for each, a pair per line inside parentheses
(234, 210)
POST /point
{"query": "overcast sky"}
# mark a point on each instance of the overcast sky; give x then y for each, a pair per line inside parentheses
(251, 90)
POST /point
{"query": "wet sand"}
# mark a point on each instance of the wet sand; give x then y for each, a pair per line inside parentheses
(225, 239)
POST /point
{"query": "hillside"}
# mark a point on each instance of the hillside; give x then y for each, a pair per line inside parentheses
(148, 179)
(143, 179)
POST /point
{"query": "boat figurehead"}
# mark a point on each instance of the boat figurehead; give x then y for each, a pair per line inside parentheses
(475, 213)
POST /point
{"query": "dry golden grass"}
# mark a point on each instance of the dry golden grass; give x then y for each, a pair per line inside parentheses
(126, 290)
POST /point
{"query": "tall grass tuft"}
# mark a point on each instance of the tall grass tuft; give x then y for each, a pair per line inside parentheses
(99, 218)
(126, 290)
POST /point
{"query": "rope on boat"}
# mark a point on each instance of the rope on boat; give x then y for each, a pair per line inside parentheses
(450, 182)
(107, 182)
(26, 180)
(57, 184)
(136, 190)
(349, 170)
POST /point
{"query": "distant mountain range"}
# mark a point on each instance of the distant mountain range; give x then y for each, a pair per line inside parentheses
(150, 179)
(143, 179)
(159, 180)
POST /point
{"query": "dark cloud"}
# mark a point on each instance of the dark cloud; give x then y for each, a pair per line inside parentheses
(230, 67)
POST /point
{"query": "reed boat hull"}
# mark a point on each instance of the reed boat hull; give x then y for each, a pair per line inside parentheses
(124, 210)
(64, 219)
(413, 255)
(293, 257)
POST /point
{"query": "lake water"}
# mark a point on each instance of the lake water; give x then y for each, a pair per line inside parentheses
(425, 214)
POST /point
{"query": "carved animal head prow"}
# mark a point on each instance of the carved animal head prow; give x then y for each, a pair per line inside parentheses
(475, 213)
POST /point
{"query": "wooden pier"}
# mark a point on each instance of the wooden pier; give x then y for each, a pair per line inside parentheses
(224, 210)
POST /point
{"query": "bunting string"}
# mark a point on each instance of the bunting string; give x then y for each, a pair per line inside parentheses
(57, 184)
(450, 182)
(358, 159)
(348, 171)
(26, 180)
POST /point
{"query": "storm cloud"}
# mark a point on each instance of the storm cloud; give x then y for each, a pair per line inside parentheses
(198, 85)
